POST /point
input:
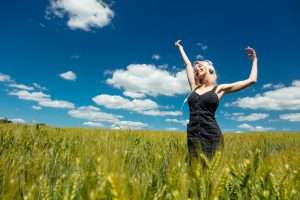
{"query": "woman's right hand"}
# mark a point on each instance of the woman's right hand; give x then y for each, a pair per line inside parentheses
(251, 53)
(177, 44)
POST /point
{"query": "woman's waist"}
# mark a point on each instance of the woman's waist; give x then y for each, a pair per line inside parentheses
(205, 122)
(201, 112)
(202, 117)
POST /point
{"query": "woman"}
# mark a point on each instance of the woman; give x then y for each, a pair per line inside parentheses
(203, 132)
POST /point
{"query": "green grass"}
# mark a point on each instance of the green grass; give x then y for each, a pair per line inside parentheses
(56, 163)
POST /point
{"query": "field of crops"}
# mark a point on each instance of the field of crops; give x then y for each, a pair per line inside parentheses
(55, 163)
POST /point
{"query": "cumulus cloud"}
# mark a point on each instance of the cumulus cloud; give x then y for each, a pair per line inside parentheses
(69, 75)
(250, 117)
(182, 122)
(149, 80)
(18, 120)
(30, 96)
(172, 129)
(267, 85)
(161, 113)
(133, 94)
(292, 117)
(36, 107)
(118, 102)
(254, 128)
(285, 98)
(39, 87)
(142, 106)
(156, 57)
(56, 104)
(21, 86)
(93, 124)
(4, 78)
(42, 99)
(94, 116)
(274, 86)
(83, 15)
(92, 113)
(129, 125)
(27, 93)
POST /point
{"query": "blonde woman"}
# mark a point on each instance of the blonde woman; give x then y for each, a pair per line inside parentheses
(203, 132)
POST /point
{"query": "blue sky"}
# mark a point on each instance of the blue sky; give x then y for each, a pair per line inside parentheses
(113, 64)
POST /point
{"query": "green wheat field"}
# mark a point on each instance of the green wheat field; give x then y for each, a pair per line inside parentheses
(41, 162)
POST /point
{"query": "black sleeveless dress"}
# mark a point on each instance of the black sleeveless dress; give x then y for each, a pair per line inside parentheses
(203, 133)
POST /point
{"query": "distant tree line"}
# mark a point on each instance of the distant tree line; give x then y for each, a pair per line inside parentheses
(5, 121)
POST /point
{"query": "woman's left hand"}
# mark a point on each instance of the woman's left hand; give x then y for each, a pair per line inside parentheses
(251, 53)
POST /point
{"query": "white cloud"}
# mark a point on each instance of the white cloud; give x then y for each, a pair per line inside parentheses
(199, 57)
(149, 80)
(56, 104)
(133, 94)
(26, 93)
(21, 86)
(118, 102)
(107, 72)
(5, 78)
(156, 57)
(172, 129)
(274, 86)
(161, 113)
(249, 117)
(92, 113)
(69, 75)
(279, 85)
(286, 98)
(129, 125)
(292, 117)
(254, 128)
(267, 85)
(236, 114)
(202, 46)
(163, 67)
(142, 106)
(39, 87)
(18, 120)
(42, 99)
(36, 107)
(182, 122)
(30, 96)
(83, 15)
(93, 124)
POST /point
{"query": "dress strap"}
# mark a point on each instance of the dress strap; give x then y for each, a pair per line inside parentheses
(214, 89)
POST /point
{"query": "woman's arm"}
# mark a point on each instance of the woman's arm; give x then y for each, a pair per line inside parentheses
(188, 65)
(236, 86)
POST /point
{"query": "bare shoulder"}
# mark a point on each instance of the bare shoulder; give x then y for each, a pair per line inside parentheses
(194, 86)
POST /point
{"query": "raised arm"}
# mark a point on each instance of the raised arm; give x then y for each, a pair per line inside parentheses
(236, 86)
(188, 65)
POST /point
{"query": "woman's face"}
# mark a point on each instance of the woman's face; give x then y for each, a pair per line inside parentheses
(200, 68)
(203, 71)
